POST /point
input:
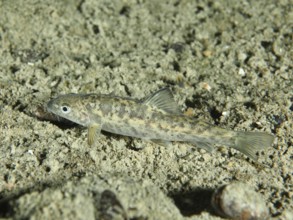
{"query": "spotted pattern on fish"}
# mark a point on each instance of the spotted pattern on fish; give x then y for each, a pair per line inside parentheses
(156, 117)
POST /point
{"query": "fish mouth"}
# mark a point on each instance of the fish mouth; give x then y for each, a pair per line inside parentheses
(49, 106)
(52, 108)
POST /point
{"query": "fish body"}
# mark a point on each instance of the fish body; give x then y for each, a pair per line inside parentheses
(156, 118)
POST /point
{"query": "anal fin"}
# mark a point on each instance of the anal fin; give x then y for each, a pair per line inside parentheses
(161, 142)
(204, 145)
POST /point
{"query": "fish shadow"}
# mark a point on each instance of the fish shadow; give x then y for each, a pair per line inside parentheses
(194, 202)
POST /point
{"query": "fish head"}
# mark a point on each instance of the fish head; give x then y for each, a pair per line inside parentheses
(71, 107)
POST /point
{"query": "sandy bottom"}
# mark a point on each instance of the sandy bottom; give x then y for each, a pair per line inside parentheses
(230, 65)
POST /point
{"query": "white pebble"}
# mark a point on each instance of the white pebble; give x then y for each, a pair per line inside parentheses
(241, 72)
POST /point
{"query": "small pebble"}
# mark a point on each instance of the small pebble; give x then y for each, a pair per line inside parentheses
(207, 53)
(239, 201)
(241, 72)
(206, 86)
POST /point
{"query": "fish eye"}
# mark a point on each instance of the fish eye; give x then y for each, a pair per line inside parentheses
(65, 109)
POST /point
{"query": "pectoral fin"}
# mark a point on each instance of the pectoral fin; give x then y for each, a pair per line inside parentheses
(94, 131)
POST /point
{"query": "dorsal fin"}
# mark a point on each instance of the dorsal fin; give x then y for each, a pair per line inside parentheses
(163, 100)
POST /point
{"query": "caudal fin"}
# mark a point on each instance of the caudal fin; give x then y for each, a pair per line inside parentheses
(250, 142)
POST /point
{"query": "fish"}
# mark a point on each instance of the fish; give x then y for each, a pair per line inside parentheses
(155, 118)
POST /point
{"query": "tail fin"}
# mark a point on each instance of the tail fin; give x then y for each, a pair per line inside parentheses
(250, 142)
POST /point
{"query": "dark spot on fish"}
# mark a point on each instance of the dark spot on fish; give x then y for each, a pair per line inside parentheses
(160, 126)
(138, 113)
(203, 127)
(180, 136)
(106, 108)
(122, 111)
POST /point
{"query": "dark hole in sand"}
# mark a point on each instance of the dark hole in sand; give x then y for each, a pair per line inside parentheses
(193, 202)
